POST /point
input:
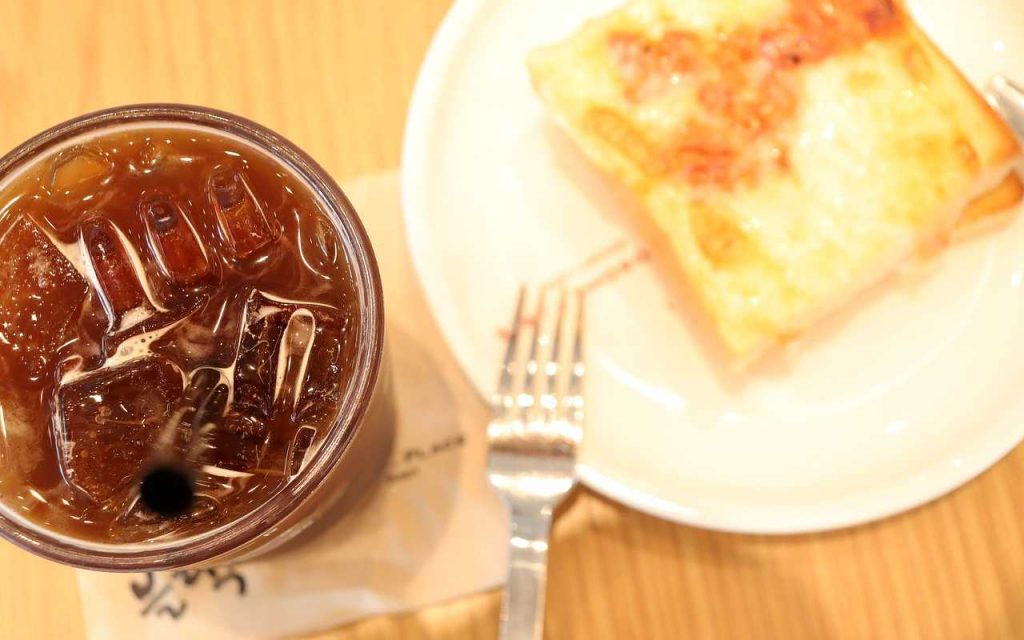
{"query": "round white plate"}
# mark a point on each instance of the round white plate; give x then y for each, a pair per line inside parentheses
(905, 396)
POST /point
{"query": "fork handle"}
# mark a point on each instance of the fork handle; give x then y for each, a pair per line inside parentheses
(522, 610)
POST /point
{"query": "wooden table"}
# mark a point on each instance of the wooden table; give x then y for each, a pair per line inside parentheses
(335, 77)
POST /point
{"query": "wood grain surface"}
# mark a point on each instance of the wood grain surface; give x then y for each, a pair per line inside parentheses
(335, 77)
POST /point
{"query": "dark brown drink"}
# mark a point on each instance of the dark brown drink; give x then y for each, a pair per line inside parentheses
(171, 297)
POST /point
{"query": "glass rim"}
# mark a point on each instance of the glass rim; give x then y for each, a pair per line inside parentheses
(242, 531)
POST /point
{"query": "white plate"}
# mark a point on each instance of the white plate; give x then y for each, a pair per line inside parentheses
(906, 396)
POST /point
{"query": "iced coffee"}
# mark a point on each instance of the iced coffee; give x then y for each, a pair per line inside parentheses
(190, 341)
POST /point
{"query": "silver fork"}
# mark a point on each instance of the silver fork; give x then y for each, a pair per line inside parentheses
(538, 412)
(1008, 98)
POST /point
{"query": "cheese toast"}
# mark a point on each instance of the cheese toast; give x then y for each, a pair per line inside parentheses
(789, 153)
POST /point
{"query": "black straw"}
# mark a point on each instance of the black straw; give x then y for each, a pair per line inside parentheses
(167, 487)
(167, 490)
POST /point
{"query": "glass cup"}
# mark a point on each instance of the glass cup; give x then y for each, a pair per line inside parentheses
(356, 448)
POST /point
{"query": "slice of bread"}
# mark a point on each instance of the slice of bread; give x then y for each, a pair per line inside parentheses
(789, 153)
(991, 209)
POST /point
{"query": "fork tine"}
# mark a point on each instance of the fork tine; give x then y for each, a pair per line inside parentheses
(503, 399)
(528, 396)
(531, 461)
(573, 409)
(553, 366)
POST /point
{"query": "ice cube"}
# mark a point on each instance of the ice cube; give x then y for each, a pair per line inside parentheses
(209, 336)
(257, 360)
(151, 153)
(79, 172)
(41, 294)
(172, 238)
(298, 449)
(286, 449)
(293, 359)
(310, 366)
(320, 250)
(121, 290)
(206, 395)
(333, 351)
(110, 422)
(203, 403)
(235, 444)
(242, 220)
(239, 442)
(294, 352)
(276, 356)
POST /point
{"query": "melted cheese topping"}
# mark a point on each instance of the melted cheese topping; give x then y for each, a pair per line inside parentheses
(789, 152)
(739, 84)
